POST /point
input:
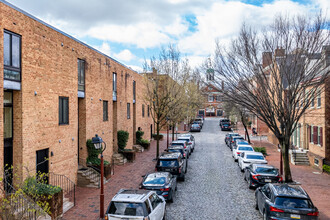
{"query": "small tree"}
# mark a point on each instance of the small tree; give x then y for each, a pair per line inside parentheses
(122, 137)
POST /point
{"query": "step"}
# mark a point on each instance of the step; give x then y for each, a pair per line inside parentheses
(302, 163)
(67, 205)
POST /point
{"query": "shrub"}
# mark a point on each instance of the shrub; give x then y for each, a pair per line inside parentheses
(157, 137)
(261, 149)
(97, 161)
(122, 137)
(139, 135)
(326, 168)
(93, 153)
(32, 187)
(144, 141)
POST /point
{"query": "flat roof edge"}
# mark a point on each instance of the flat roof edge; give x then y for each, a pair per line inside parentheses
(61, 32)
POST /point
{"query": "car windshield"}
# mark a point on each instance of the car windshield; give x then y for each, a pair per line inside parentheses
(195, 125)
(184, 139)
(238, 138)
(267, 170)
(177, 144)
(255, 157)
(242, 143)
(175, 150)
(168, 163)
(152, 179)
(245, 148)
(126, 208)
(293, 202)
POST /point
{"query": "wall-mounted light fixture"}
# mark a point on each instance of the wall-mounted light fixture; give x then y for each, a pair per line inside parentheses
(51, 154)
(35, 93)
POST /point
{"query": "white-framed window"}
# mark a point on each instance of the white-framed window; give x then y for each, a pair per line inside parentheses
(210, 98)
(312, 134)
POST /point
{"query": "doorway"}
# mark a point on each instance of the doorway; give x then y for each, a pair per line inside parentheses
(42, 166)
(8, 138)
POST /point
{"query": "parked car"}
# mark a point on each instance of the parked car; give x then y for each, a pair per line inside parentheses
(228, 137)
(200, 121)
(240, 149)
(173, 163)
(225, 127)
(223, 120)
(136, 204)
(233, 139)
(190, 140)
(283, 201)
(260, 174)
(163, 183)
(195, 127)
(239, 142)
(184, 144)
(179, 149)
(246, 158)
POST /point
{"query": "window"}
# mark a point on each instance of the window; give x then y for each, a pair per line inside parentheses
(128, 110)
(134, 90)
(319, 98)
(312, 102)
(114, 87)
(63, 110)
(311, 134)
(148, 111)
(218, 98)
(81, 75)
(12, 56)
(142, 110)
(320, 136)
(210, 98)
(105, 111)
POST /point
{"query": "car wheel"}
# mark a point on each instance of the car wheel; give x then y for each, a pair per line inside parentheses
(264, 216)
(186, 167)
(164, 217)
(171, 199)
(245, 177)
(256, 205)
(183, 177)
(249, 182)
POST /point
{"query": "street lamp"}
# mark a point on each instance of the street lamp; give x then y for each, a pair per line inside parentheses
(97, 141)
(281, 157)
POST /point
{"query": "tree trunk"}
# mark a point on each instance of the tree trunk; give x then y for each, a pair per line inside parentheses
(172, 132)
(157, 149)
(246, 131)
(286, 160)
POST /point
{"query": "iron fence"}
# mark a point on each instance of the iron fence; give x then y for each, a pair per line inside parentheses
(68, 187)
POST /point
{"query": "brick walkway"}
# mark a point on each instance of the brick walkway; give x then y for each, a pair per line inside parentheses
(316, 183)
(126, 176)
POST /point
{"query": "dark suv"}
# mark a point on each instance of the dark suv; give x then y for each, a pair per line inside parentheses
(283, 201)
(173, 163)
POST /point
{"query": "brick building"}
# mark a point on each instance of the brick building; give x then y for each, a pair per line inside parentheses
(56, 93)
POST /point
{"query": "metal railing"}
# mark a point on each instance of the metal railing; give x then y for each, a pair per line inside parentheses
(16, 205)
(68, 187)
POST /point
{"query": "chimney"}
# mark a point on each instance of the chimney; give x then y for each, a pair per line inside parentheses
(279, 52)
(222, 85)
(154, 71)
(326, 55)
(266, 59)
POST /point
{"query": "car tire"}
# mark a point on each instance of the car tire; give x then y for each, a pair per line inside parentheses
(245, 177)
(185, 171)
(171, 199)
(264, 216)
(249, 182)
(164, 216)
(256, 205)
(183, 177)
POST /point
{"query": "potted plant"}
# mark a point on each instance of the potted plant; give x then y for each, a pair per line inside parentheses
(139, 135)
(145, 144)
(122, 137)
(159, 137)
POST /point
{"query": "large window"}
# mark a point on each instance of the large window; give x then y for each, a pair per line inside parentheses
(142, 110)
(12, 56)
(128, 110)
(63, 110)
(114, 87)
(319, 98)
(148, 111)
(105, 111)
(81, 75)
(134, 90)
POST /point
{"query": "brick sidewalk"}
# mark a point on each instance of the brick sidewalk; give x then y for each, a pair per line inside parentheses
(316, 183)
(126, 176)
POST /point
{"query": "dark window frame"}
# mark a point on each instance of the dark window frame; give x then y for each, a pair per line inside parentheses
(114, 84)
(143, 110)
(10, 67)
(105, 110)
(61, 119)
(128, 110)
(134, 90)
(148, 111)
(81, 82)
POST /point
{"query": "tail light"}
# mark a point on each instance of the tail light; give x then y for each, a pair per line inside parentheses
(238, 153)
(190, 143)
(184, 154)
(313, 214)
(232, 141)
(106, 217)
(180, 170)
(280, 179)
(228, 126)
(166, 189)
(273, 209)
(185, 147)
(146, 218)
(255, 177)
(156, 169)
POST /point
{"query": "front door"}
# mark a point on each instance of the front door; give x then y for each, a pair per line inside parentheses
(8, 138)
(42, 164)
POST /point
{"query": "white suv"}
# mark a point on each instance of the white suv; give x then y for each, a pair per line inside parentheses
(136, 204)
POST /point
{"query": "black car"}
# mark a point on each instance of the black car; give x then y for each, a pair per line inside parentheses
(228, 137)
(224, 121)
(178, 148)
(284, 201)
(173, 163)
(225, 127)
(163, 183)
(260, 174)
(195, 127)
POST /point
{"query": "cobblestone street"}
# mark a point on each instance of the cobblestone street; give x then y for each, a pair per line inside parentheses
(214, 187)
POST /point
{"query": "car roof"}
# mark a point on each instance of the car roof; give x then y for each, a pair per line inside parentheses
(131, 195)
(289, 190)
(257, 165)
(169, 155)
(253, 153)
(179, 142)
(243, 145)
(238, 137)
(184, 137)
(179, 147)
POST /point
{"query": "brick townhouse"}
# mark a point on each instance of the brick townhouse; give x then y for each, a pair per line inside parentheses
(56, 93)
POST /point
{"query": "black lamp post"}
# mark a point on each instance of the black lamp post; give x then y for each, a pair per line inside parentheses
(97, 141)
(281, 157)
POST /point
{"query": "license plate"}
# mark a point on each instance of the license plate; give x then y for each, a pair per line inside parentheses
(295, 216)
(168, 170)
(268, 180)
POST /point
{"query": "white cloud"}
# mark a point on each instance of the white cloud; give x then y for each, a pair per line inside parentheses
(124, 55)
(138, 69)
(104, 48)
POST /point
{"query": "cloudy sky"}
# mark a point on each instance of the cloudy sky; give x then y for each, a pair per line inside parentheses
(133, 30)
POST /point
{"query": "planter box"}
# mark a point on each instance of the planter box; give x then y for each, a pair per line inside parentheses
(55, 204)
(107, 170)
(146, 146)
(129, 154)
(159, 137)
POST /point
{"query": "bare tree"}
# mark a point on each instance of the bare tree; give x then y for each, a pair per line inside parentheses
(162, 87)
(276, 71)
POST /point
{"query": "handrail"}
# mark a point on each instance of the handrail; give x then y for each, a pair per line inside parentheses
(67, 185)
